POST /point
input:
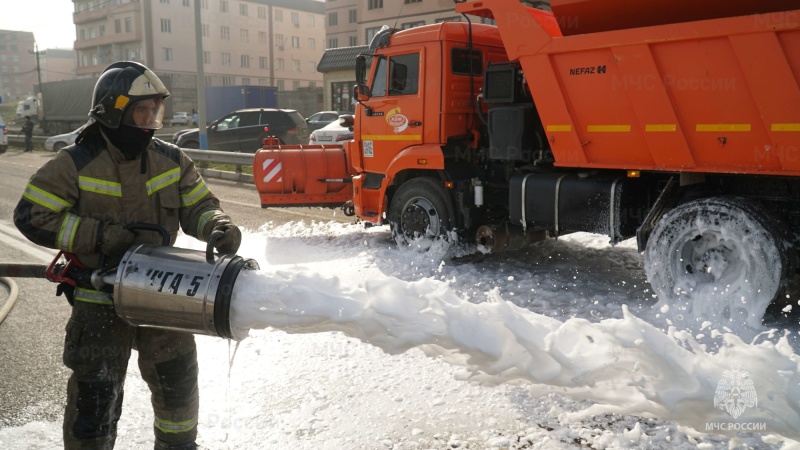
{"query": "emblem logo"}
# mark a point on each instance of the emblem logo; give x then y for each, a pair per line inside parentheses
(735, 392)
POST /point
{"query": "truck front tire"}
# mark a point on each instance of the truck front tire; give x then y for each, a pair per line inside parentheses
(419, 209)
(719, 259)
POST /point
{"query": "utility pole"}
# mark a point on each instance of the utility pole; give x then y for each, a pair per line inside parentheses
(38, 66)
(201, 78)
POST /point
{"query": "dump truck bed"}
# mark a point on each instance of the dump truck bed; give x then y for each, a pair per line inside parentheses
(718, 95)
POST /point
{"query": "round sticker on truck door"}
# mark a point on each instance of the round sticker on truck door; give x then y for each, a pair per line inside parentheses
(398, 121)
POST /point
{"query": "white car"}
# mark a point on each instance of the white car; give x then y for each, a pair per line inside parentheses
(56, 143)
(3, 136)
(331, 133)
(181, 118)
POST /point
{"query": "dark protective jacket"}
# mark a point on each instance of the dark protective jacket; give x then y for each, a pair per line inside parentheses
(69, 200)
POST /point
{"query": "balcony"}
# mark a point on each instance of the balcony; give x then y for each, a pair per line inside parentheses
(102, 13)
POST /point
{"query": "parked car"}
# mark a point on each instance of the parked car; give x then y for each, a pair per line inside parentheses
(330, 134)
(244, 130)
(181, 118)
(56, 143)
(322, 118)
(3, 136)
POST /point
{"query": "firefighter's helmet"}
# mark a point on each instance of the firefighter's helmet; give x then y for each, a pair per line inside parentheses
(129, 93)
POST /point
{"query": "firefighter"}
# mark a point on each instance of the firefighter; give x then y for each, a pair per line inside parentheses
(86, 201)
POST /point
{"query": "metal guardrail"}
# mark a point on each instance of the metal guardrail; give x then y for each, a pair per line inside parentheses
(198, 156)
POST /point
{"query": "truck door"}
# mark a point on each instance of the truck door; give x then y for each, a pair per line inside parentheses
(394, 118)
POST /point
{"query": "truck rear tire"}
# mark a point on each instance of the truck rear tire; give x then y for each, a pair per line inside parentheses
(419, 209)
(720, 259)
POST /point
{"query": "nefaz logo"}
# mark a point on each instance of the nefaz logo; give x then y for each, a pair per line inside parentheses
(587, 70)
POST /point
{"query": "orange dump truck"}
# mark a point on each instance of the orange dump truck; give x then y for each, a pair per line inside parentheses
(674, 122)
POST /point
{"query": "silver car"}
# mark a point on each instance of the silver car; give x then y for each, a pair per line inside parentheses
(56, 143)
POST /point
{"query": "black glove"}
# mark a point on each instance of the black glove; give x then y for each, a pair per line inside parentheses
(231, 238)
(116, 240)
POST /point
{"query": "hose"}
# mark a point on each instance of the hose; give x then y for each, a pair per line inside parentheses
(12, 297)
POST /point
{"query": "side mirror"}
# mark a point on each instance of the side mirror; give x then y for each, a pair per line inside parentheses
(362, 92)
(361, 69)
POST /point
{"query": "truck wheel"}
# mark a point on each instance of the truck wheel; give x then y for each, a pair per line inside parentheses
(419, 209)
(718, 259)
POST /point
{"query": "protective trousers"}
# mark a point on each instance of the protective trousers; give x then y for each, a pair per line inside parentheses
(97, 349)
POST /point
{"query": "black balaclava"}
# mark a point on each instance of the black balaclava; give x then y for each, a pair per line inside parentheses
(130, 140)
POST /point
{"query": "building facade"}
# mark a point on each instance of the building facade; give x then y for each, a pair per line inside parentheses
(17, 65)
(244, 42)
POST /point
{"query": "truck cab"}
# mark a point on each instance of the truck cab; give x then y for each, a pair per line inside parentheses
(416, 106)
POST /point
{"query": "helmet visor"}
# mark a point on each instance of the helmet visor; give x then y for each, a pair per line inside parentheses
(147, 114)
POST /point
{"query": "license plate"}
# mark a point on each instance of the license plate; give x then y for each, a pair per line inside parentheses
(326, 138)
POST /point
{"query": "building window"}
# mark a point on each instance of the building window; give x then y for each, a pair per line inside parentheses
(243, 9)
(244, 35)
(333, 43)
(278, 15)
(165, 1)
(353, 41)
(353, 16)
(312, 44)
(186, 3)
(228, 81)
(408, 25)
(166, 26)
(310, 22)
(312, 84)
(225, 33)
(263, 62)
(295, 65)
(375, 4)
(279, 64)
(279, 41)
(296, 18)
(204, 4)
(280, 85)
(449, 19)
(295, 42)
(223, 6)
(226, 59)
(371, 32)
(262, 12)
(245, 59)
(295, 85)
(117, 26)
(262, 37)
(412, 1)
(102, 30)
(333, 19)
(312, 66)
(246, 81)
(262, 81)
(206, 57)
(206, 29)
(167, 54)
(128, 24)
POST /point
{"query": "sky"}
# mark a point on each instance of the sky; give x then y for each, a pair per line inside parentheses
(355, 343)
(49, 20)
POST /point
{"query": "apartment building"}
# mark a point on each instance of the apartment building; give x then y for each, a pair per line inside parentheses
(244, 42)
(17, 64)
(57, 64)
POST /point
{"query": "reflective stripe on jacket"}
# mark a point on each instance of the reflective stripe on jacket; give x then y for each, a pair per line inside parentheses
(90, 183)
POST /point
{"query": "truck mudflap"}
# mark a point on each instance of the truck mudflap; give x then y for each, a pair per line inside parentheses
(303, 175)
